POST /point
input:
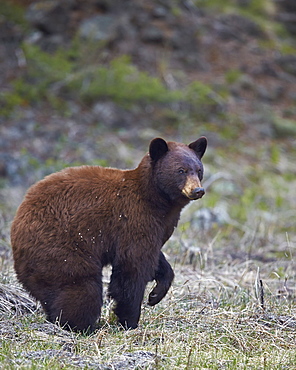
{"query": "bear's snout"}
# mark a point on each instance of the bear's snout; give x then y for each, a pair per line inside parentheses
(198, 192)
(193, 193)
(193, 189)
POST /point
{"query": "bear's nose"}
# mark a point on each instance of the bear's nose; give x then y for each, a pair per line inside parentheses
(198, 192)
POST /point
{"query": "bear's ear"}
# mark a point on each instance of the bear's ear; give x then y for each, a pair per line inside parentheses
(199, 146)
(158, 147)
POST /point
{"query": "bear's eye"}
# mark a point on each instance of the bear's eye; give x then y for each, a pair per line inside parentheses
(199, 172)
(181, 170)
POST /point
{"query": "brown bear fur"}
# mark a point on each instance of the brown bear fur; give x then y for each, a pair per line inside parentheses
(74, 222)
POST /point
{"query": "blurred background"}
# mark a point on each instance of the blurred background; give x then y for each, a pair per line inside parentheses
(93, 81)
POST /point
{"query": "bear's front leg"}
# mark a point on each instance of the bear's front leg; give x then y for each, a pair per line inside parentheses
(127, 288)
(164, 277)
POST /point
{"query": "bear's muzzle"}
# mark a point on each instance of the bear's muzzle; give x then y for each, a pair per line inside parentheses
(193, 189)
(194, 194)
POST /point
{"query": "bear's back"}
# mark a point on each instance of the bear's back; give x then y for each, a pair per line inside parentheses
(72, 187)
(63, 198)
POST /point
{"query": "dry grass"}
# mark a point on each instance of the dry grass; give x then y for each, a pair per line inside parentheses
(211, 319)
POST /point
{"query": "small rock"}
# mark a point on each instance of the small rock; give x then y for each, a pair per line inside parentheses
(289, 21)
(152, 34)
(288, 5)
(159, 12)
(205, 218)
(234, 26)
(10, 168)
(287, 63)
(110, 114)
(50, 17)
(283, 127)
(134, 360)
(269, 94)
(98, 28)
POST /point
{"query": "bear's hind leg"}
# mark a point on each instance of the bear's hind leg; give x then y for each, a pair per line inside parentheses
(78, 306)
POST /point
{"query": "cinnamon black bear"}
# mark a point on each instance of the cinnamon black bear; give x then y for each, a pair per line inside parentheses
(74, 222)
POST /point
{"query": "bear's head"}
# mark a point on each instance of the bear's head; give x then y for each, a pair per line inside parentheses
(177, 168)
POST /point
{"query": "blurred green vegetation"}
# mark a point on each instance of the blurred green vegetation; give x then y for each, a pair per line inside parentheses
(14, 13)
(249, 7)
(53, 78)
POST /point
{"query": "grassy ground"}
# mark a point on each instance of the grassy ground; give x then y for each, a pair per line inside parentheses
(209, 321)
